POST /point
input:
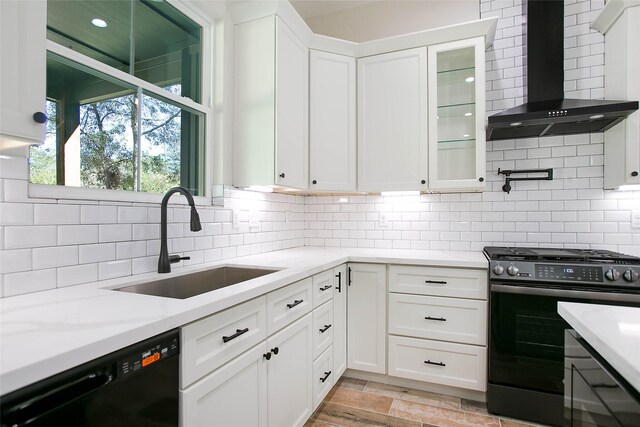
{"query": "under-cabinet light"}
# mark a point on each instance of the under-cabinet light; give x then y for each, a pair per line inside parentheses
(596, 116)
(468, 114)
(260, 188)
(100, 23)
(629, 187)
(469, 79)
(400, 193)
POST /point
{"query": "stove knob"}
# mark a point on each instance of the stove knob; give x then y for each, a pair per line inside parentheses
(630, 276)
(612, 274)
(498, 269)
(512, 270)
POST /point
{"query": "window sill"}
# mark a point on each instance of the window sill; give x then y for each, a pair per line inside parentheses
(41, 191)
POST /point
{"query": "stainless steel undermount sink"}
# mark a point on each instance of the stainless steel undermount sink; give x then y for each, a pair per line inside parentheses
(189, 285)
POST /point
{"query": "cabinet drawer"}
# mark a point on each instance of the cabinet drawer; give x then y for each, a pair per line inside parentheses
(214, 340)
(457, 365)
(446, 319)
(288, 304)
(322, 376)
(322, 328)
(438, 281)
(322, 287)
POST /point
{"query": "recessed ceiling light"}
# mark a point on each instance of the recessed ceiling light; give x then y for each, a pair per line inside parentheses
(468, 114)
(469, 79)
(515, 124)
(596, 116)
(101, 23)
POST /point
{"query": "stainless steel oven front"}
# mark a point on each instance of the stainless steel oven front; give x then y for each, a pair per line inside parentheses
(526, 346)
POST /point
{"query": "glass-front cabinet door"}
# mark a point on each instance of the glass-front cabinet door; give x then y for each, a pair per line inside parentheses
(456, 115)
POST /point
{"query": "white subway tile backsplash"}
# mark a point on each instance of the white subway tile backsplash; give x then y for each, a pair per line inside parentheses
(13, 261)
(77, 274)
(18, 237)
(29, 281)
(97, 253)
(113, 269)
(57, 256)
(114, 232)
(98, 214)
(45, 214)
(77, 234)
(16, 214)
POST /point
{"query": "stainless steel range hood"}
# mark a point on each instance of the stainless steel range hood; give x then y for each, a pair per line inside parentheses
(547, 112)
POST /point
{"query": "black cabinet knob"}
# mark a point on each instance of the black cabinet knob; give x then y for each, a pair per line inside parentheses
(267, 355)
(275, 350)
(282, 175)
(481, 179)
(634, 173)
(314, 182)
(40, 117)
(423, 182)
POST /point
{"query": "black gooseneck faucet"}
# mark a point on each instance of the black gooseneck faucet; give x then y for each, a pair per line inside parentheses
(165, 261)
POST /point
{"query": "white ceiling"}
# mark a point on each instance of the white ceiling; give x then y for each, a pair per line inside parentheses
(311, 8)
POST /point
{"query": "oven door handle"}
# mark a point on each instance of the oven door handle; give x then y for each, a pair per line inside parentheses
(565, 293)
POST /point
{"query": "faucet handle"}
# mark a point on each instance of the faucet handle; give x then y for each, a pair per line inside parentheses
(177, 258)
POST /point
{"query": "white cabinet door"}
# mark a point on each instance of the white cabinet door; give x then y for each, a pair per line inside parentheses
(339, 322)
(234, 395)
(392, 121)
(270, 105)
(456, 115)
(292, 106)
(622, 142)
(22, 69)
(332, 122)
(289, 369)
(367, 314)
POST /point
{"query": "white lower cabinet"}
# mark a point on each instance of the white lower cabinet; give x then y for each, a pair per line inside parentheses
(234, 395)
(339, 322)
(438, 362)
(289, 397)
(367, 315)
(322, 376)
(438, 325)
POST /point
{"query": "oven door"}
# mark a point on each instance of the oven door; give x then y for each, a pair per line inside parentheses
(526, 340)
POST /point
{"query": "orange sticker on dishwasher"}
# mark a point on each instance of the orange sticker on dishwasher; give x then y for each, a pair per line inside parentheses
(148, 360)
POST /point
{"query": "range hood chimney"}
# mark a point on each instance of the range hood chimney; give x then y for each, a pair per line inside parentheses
(547, 112)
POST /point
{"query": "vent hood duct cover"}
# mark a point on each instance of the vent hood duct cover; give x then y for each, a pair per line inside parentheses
(547, 113)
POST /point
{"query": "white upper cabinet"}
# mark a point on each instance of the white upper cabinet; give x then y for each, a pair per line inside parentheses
(456, 115)
(332, 122)
(23, 70)
(271, 105)
(392, 121)
(622, 62)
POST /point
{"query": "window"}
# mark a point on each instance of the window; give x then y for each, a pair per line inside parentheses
(123, 98)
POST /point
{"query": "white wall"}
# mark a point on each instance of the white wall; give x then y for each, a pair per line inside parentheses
(390, 18)
(570, 211)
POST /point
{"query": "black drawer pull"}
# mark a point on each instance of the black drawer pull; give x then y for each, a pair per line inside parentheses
(236, 335)
(323, 330)
(296, 302)
(439, 282)
(326, 375)
(439, 319)
(434, 363)
(326, 287)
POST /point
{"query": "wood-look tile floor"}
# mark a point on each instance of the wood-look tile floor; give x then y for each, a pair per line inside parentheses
(355, 403)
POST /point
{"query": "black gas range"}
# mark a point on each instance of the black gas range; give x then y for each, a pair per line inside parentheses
(526, 334)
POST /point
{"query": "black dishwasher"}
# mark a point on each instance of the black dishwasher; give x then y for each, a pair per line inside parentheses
(135, 386)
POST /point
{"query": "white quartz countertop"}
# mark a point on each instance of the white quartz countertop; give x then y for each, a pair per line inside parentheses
(613, 331)
(47, 332)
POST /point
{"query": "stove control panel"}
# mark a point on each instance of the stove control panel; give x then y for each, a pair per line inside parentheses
(569, 272)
